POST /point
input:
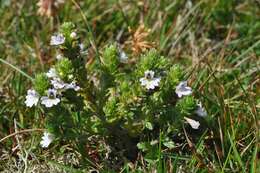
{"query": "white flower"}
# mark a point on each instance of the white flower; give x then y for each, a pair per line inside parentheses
(52, 73)
(57, 83)
(201, 111)
(182, 89)
(82, 49)
(194, 124)
(51, 99)
(72, 85)
(57, 40)
(123, 58)
(188, 4)
(73, 35)
(59, 57)
(81, 46)
(149, 81)
(47, 138)
(32, 98)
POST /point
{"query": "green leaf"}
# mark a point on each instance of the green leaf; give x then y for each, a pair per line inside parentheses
(143, 146)
(169, 144)
(149, 125)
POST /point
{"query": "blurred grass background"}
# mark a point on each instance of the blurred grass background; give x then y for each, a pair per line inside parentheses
(218, 41)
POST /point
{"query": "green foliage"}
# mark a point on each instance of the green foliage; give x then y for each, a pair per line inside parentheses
(174, 75)
(67, 28)
(65, 69)
(111, 58)
(223, 34)
(153, 61)
(120, 107)
(186, 105)
(41, 83)
(110, 110)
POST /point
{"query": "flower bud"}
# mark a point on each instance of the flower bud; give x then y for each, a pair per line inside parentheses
(73, 35)
(41, 83)
(67, 28)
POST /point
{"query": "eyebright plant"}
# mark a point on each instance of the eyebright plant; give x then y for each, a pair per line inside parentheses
(127, 104)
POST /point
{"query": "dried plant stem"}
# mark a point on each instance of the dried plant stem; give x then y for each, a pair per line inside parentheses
(20, 132)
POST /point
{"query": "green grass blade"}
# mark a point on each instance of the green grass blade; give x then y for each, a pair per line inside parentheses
(236, 154)
(253, 163)
(16, 68)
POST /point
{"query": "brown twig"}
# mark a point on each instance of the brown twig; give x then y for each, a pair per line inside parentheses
(20, 132)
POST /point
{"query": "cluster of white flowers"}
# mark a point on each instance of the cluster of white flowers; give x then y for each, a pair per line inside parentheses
(59, 39)
(51, 99)
(53, 94)
(149, 81)
(57, 83)
(182, 89)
